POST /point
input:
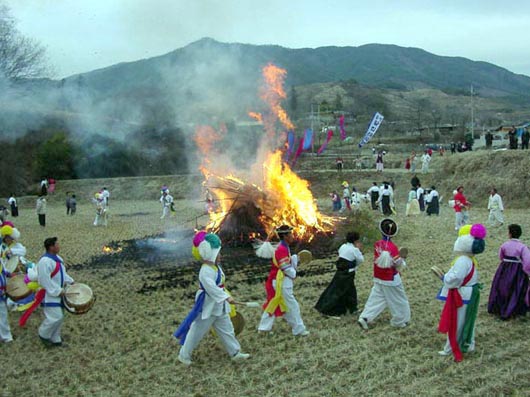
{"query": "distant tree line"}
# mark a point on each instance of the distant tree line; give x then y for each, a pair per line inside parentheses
(54, 151)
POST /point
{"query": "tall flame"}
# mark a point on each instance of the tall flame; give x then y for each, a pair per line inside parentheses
(293, 202)
(282, 197)
(272, 93)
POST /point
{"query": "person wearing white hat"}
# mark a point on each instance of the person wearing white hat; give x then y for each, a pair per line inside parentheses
(461, 293)
(279, 287)
(388, 290)
(212, 306)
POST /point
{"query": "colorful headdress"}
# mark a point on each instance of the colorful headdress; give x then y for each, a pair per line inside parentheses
(471, 239)
(345, 184)
(9, 231)
(206, 246)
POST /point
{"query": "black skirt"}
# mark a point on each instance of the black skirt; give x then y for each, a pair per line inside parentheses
(340, 297)
(385, 204)
(433, 208)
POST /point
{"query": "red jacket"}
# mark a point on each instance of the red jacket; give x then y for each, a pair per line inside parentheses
(386, 274)
(460, 202)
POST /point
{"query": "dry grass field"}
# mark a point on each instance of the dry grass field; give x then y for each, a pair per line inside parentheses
(124, 345)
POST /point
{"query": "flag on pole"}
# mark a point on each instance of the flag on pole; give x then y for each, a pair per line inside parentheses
(290, 143)
(298, 151)
(342, 129)
(372, 128)
(308, 139)
(325, 144)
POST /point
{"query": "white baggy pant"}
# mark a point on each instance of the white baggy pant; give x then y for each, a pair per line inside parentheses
(425, 168)
(394, 297)
(51, 326)
(379, 166)
(5, 331)
(461, 319)
(495, 216)
(165, 213)
(101, 220)
(223, 328)
(292, 316)
(461, 218)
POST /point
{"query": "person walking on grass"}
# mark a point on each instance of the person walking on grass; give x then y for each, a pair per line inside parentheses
(461, 207)
(279, 287)
(496, 208)
(212, 305)
(53, 279)
(461, 293)
(340, 297)
(12, 201)
(510, 294)
(388, 290)
(41, 210)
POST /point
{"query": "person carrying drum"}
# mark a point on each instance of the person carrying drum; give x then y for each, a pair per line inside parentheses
(53, 278)
(212, 304)
(279, 287)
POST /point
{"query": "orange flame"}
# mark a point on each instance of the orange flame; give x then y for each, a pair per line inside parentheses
(110, 250)
(256, 116)
(282, 197)
(294, 204)
(273, 94)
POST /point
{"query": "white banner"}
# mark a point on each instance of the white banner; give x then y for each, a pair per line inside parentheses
(372, 128)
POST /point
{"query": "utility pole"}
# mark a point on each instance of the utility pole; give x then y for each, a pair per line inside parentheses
(313, 140)
(472, 115)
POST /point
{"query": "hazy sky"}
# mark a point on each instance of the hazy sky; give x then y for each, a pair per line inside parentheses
(82, 35)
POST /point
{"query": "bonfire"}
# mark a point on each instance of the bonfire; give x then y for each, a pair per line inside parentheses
(250, 205)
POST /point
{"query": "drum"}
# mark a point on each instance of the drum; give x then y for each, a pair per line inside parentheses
(17, 289)
(238, 321)
(78, 298)
(11, 264)
(305, 257)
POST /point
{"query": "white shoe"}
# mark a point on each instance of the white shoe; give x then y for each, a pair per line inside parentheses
(363, 323)
(303, 333)
(240, 356)
(184, 361)
(444, 353)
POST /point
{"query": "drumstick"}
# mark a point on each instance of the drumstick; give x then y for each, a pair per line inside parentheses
(248, 304)
(72, 293)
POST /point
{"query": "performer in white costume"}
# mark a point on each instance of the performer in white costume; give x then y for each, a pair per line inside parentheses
(496, 208)
(212, 306)
(279, 287)
(53, 278)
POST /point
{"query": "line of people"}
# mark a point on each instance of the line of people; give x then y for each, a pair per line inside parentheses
(460, 289)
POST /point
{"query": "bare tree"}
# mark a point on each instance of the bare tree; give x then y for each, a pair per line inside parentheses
(20, 57)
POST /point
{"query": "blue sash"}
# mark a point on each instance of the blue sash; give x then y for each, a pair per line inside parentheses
(3, 284)
(184, 327)
(56, 259)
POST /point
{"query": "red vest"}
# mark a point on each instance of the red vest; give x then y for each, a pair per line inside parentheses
(386, 274)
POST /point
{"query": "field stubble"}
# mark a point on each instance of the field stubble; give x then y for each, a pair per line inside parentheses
(124, 346)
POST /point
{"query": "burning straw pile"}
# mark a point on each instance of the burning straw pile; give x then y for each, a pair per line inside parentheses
(248, 210)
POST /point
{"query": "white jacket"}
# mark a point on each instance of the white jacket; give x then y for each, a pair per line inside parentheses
(454, 278)
(52, 285)
(215, 303)
(495, 202)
